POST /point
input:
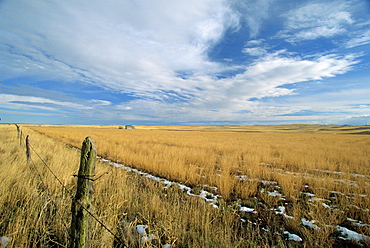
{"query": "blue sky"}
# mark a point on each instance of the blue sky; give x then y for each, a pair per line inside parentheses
(185, 62)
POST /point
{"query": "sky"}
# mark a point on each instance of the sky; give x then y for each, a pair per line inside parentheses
(185, 62)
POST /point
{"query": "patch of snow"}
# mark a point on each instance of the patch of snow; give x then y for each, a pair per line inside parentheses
(141, 229)
(247, 209)
(349, 234)
(310, 224)
(293, 237)
(308, 194)
(275, 193)
(207, 196)
(4, 241)
(325, 205)
(214, 205)
(148, 238)
(265, 183)
(357, 222)
(339, 173)
(357, 207)
(242, 177)
(281, 211)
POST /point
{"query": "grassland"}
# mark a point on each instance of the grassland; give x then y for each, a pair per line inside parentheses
(290, 175)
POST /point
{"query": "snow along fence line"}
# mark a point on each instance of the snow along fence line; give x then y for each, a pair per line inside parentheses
(212, 199)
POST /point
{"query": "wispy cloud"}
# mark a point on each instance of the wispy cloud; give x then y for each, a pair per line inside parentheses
(359, 40)
(315, 20)
(254, 13)
(268, 77)
(31, 102)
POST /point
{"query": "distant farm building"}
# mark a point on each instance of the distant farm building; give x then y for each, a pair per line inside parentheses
(129, 127)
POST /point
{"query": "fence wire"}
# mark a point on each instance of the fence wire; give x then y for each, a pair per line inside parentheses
(33, 167)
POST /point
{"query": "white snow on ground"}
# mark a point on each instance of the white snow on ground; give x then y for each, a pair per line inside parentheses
(308, 194)
(348, 234)
(325, 205)
(247, 209)
(310, 224)
(4, 241)
(141, 229)
(264, 182)
(293, 237)
(281, 211)
(212, 198)
(345, 232)
(341, 173)
(357, 222)
(207, 196)
(274, 193)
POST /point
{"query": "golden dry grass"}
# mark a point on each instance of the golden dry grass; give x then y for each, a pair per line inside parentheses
(202, 157)
(35, 210)
(298, 158)
(323, 159)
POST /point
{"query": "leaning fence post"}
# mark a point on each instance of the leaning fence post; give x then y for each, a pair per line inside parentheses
(28, 150)
(80, 235)
(19, 130)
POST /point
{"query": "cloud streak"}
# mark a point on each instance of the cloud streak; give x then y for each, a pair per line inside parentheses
(316, 20)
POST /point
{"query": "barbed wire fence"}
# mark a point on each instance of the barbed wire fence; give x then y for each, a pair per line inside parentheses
(34, 169)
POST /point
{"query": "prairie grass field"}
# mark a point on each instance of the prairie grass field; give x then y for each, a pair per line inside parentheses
(275, 186)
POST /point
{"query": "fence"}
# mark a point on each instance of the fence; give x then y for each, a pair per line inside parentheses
(82, 204)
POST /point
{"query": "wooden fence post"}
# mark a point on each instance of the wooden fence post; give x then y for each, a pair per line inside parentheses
(28, 150)
(81, 219)
(19, 130)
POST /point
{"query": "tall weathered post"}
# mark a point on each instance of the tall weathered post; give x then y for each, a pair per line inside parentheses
(28, 149)
(19, 130)
(81, 219)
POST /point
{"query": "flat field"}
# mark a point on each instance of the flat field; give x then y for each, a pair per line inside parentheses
(285, 186)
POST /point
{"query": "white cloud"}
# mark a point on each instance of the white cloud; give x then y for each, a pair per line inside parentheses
(255, 42)
(256, 48)
(359, 40)
(30, 102)
(156, 51)
(255, 51)
(230, 98)
(100, 102)
(315, 20)
(254, 13)
(123, 107)
(121, 46)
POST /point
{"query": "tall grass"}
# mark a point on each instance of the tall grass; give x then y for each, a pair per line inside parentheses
(35, 208)
(319, 163)
(211, 157)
